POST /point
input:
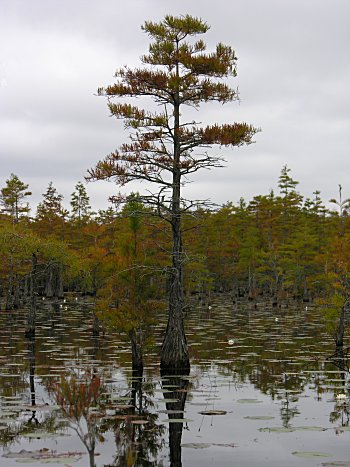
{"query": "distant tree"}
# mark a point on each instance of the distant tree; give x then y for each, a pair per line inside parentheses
(343, 206)
(316, 212)
(249, 257)
(51, 207)
(12, 198)
(291, 201)
(80, 202)
(161, 151)
(16, 249)
(106, 216)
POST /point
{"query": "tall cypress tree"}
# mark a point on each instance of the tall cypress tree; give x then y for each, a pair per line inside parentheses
(177, 73)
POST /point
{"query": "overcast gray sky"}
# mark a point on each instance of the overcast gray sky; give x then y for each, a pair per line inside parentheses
(293, 78)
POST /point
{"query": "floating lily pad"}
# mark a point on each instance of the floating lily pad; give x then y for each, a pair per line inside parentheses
(336, 464)
(309, 428)
(277, 429)
(41, 407)
(44, 435)
(259, 417)
(8, 413)
(249, 401)
(207, 445)
(177, 420)
(225, 445)
(196, 445)
(201, 404)
(44, 456)
(51, 460)
(310, 454)
(213, 412)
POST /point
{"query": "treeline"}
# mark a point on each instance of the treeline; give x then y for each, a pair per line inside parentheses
(279, 246)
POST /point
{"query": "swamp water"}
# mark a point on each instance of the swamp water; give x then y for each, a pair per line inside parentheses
(262, 391)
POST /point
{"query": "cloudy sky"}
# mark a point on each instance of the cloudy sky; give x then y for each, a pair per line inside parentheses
(293, 79)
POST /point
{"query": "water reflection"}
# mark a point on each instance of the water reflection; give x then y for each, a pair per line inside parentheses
(175, 388)
(138, 437)
(341, 411)
(25, 417)
(276, 371)
(31, 359)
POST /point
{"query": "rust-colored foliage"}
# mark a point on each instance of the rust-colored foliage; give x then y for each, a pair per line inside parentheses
(179, 73)
(236, 134)
(77, 396)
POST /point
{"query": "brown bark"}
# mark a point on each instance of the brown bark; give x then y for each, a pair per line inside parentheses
(9, 292)
(95, 325)
(136, 349)
(339, 338)
(174, 352)
(31, 319)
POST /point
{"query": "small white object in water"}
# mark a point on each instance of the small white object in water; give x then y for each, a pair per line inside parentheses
(340, 397)
(209, 307)
(64, 300)
(61, 306)
(76, 298)
(276, 319)
(231, 342)
(306, 308)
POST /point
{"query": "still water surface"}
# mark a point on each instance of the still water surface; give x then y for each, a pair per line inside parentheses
(262, 391)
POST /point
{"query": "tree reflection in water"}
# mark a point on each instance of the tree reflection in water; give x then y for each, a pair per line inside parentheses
(31, 359)
(285, 367)
(175, 387)
(138, 437)
(341, 409)
(82, 405)
(40, 418)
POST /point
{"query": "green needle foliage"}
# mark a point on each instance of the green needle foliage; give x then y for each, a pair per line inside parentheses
(12, 198)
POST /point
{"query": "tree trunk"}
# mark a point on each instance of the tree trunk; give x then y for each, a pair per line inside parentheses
(9, 291)
(30, 327)
(95, 325)
(174, 352)
(136, 394)
(16, 292)
(59, 283)
(49, 280)
(174, 349)
(339, 338)
(136, 350)
(92, 457)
